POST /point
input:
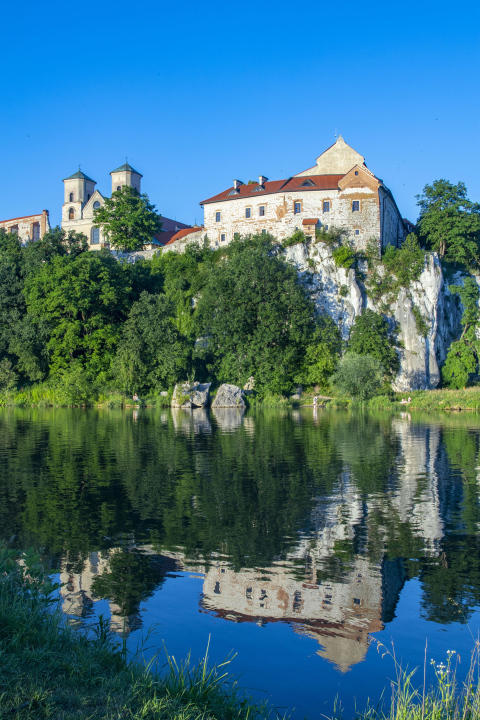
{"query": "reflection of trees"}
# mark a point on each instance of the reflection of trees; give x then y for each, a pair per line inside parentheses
(131, 578)
(73, 481)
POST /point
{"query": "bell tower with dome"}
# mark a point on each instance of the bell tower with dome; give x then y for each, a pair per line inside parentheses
(125, 175)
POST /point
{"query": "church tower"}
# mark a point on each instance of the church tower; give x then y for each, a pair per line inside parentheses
(78, 189)
(125, 175)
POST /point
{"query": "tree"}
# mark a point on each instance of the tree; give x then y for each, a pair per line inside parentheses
(128, 219)
(84, 299)
(360, 376)
(449, 222)
(255, 316)
(463, 355)
(53, 243)
(152, 353)
(370, 336)
(322, 354)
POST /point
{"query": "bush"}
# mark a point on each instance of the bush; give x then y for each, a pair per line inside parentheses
(344, 257)
(407, 262)
(295, 239)
(360, 376)
(370, 336)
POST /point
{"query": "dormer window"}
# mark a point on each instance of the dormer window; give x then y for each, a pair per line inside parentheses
(308, 183)
(70, 199)
(71, 214)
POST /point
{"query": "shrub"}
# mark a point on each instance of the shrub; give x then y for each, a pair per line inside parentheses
(295, 239)
(360, 376)
(344, 257)
(343, 292)
(422, 325)
(370, 336)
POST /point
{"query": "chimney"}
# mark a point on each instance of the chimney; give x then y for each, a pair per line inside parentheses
(237, 183)
(262, 179)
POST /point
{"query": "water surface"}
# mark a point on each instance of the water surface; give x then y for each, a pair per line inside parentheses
(298, 541)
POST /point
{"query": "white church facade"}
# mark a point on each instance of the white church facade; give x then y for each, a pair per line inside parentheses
(338, 191)
(81, 199)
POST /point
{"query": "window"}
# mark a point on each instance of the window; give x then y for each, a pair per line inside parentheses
(36, 231)
(261, 210)
(356, 206)
(119, 187)
(248, 593)
(216, 589)
(14, 229)
(356, 172)
(264, 232)
(96, 205)
(357, 232)
(248, 212)
(223, 237)
(218, 216)
(308, 183)
(71, 214)
(326, 206)
(95, 236)
(70, 199)
(88, 197)
(297, 208)
(356, 601)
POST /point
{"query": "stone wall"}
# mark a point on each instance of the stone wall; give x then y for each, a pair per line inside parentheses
(29, 227)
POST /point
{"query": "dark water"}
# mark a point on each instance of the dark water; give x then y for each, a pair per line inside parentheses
(298, 542)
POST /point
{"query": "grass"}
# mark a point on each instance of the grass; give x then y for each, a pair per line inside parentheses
(50, 670)
(442, 400)
(447, 699)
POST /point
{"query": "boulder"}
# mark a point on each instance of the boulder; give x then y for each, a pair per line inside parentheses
(187, 395)
(229, 396)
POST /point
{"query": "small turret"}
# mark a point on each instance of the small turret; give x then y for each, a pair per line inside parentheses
(125, 175)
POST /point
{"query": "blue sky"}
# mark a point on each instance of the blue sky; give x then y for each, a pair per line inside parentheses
(196, 94)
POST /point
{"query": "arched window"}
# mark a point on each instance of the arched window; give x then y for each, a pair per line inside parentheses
(71, 214)
(96, 205)
(94, 236)
(119, 187)
(71, 198)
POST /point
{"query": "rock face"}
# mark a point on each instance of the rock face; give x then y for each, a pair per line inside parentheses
(341, 295)
(186, 395)
(229, 396)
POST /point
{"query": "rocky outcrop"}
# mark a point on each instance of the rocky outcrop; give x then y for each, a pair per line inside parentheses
(229, 396)
(340, 294)
(187, 395)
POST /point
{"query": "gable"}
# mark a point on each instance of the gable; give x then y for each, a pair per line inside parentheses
(88, 207)
(359, 177)
(338, 159)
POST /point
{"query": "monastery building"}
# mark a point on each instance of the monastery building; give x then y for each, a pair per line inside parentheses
(338, 191)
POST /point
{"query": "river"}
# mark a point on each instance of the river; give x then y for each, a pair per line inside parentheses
(306, 543)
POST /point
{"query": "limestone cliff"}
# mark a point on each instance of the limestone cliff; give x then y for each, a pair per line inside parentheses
(342, 294)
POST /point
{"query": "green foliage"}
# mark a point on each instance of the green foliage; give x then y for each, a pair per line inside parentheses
(407, 262)
(321, 354)
(152, 353)
(370, 336)
(402, 266)
(343, 292)
(295, 239)
(84, 299)
(422, 325)
(449, 222)
(360, 376)
(463, 355)
(255, 317)
(332, 236)
(128, 219)
(344, 257)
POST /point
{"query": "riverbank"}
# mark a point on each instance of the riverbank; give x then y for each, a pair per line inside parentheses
(50, 670)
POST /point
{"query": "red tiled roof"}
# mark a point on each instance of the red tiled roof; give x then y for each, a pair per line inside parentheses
(24, 217)
(182, 233)
(321, 182)
(310, 221)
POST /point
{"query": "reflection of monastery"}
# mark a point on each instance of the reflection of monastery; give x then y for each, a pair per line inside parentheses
(339, 612)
